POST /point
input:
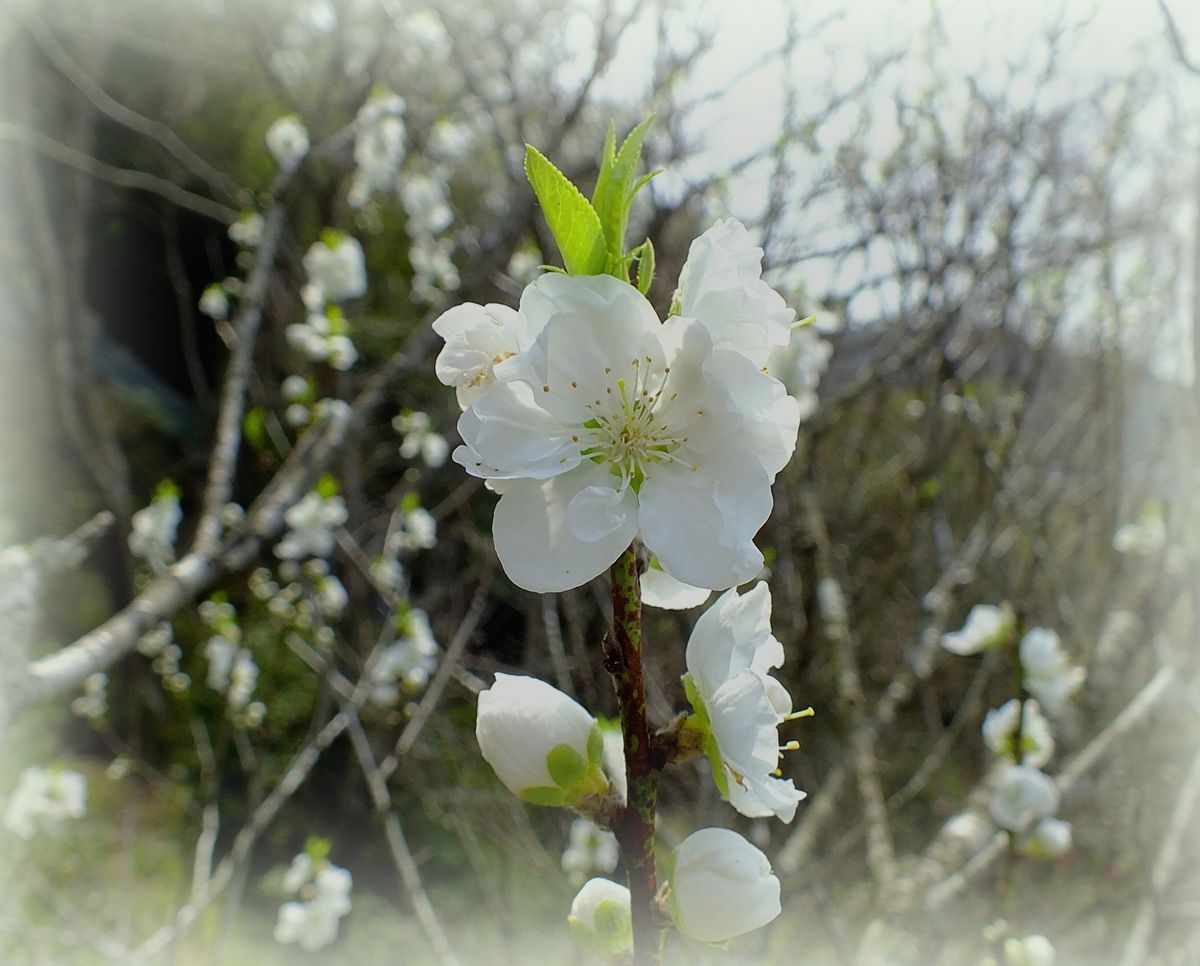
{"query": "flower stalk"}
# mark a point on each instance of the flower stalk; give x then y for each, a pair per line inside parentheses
(635, 827)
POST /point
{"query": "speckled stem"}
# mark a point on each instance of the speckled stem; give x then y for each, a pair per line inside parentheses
(635, 828)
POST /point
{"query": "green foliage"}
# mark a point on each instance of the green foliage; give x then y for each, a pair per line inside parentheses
(572, 220)
(254, 427)
(591, 235)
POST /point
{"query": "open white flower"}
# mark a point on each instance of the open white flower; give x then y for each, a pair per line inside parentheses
(541, 743)
(721, 286)
(721, 886)
(287, 140)
(987, 626)
(1037, 743)
(1023, 795)
(478, 337)
(313, 923)
(601, 919)
(1049, 674)
(738, 705)
(612, 424)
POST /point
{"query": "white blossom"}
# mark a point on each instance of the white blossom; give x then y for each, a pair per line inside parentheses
(721, 286)
(1049, 674)
(612, 424)
(1000, 724)
(313, 924)
(434, 271)
(1023, 795)
(417, 530)
(424, 199)
(311, 522)
(93, 703)
(336, 269)
(601, 919)
(214, 302)
(590, 849)
(738, 705)
(721, 886)
(1145, 537)
(1029, 951)
(287, 140)
(478, 338)
(379, 147)
(154, 527)
(247, 231)
(44, 799)
(407, 662)
(419, 439)
(541, 743)
(1050, 838)
(298, 873)
(987, 626)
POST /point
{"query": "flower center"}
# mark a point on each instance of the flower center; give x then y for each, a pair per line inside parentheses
(626, 428)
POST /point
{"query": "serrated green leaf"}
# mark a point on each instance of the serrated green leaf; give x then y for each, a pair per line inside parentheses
(612, 196)
(566, 766)
(572, 220)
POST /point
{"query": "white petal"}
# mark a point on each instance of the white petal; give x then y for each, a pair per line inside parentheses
(702, 525)
(660, 589)
(536, 546)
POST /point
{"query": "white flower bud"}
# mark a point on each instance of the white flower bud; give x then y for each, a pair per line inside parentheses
(1051, 837)
(721, 886)
(601, 920)
(541, 743)
(1030, 951)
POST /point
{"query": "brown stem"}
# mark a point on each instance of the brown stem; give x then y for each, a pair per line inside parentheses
(635, 827)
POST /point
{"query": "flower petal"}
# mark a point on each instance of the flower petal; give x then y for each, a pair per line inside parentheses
(536, 545)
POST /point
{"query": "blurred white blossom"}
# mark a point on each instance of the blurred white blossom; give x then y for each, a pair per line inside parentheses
(1023, 795)
(601, 919)
(987, 626)
(287, 140)
(1049, 674)
(311, 522)
(590, 849)
(154, 528)
(1000, 725)
(44, 799)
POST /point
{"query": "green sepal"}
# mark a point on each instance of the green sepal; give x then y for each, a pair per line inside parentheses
(327, 486)
(317, 848)
(411, 501)
(699, 721)
(167, 490)
(553, 797)
(573, 221)
(595, 745)
(645, 265)
(566, 766)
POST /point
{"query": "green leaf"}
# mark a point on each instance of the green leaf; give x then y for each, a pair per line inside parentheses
(566, 765)
(254, 427)
(327, 486)
(615, 188)
(645, 265)
(544, 796)
(572, 220)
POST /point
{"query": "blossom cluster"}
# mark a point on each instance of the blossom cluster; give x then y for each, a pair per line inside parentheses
(154, 528)
(44, 799)
(1025, 799)
(322, 892)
